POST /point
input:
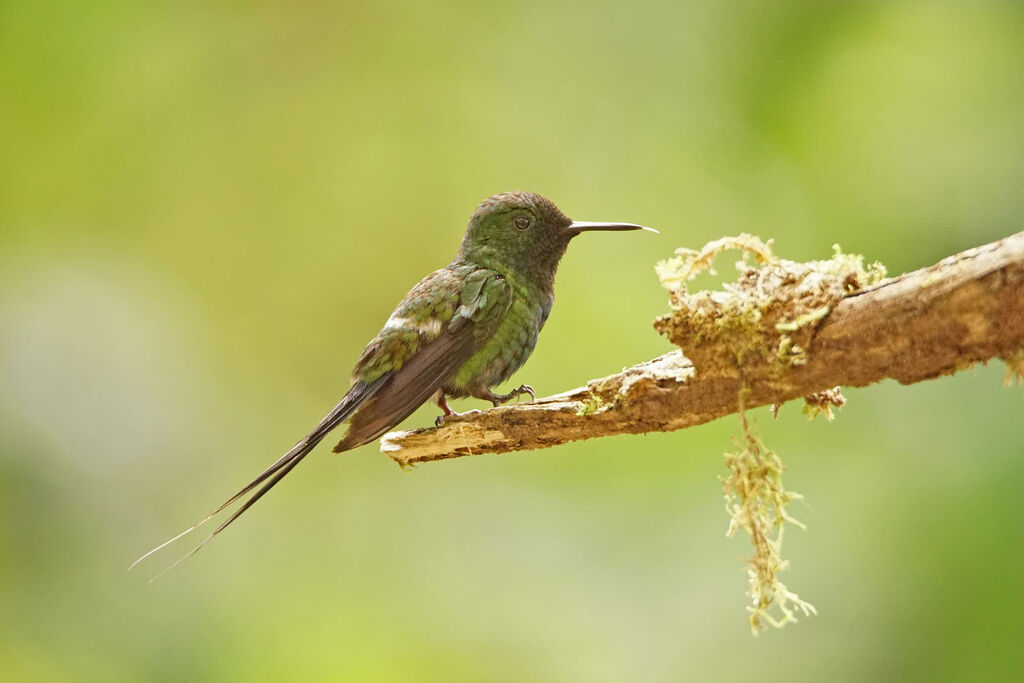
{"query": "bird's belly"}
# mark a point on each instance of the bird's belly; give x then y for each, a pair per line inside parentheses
(504, 353)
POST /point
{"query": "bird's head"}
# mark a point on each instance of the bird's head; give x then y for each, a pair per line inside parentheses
(524, 231)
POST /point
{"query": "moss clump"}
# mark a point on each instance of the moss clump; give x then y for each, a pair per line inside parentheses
(592, 405)
(756, 502)
(762, 324)
(768, 314)
(720, 319)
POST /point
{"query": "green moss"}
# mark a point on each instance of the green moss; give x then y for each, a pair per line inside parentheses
(757, 501)
(767, 316)
(770, 312)
(592, 405)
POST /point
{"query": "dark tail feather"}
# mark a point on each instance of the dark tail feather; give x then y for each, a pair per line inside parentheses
(276, 472)
(281, 472)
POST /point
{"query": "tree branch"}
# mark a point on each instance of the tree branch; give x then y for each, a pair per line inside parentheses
(966, 309)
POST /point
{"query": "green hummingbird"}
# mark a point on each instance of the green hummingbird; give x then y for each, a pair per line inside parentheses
(463, 330)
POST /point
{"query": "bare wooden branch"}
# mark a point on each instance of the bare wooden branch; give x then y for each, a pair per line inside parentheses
(966, 309)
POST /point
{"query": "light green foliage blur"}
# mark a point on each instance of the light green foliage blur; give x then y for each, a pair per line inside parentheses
(206, 209)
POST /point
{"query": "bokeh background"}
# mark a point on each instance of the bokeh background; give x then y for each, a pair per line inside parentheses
(207, 208)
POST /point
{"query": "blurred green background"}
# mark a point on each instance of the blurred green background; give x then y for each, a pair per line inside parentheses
(206, 209)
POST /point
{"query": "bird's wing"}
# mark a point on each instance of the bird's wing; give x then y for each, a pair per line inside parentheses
(422, 351)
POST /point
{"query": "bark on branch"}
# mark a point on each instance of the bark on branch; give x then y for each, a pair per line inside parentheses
(966, 309)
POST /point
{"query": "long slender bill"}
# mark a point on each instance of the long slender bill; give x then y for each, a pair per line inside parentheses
(586, 226)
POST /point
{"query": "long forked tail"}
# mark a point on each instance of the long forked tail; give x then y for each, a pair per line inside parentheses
(269, 477)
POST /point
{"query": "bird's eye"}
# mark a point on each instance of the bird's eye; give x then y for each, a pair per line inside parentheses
(521, 222)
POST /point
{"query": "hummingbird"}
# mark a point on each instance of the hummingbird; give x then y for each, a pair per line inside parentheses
(460, 332)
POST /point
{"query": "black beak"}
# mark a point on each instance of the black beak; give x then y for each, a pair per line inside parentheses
(576, 227)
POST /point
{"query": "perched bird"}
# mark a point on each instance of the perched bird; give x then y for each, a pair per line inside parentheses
(461, 331)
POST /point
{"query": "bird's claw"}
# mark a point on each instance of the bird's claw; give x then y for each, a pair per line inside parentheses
(515, 393)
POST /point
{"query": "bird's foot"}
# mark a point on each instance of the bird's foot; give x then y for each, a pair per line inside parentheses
(440, 420)
(497, 399)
